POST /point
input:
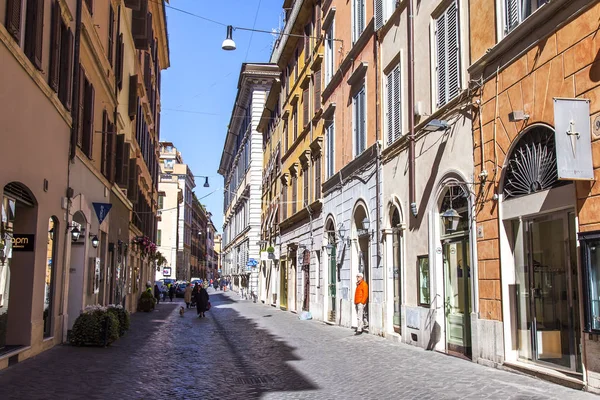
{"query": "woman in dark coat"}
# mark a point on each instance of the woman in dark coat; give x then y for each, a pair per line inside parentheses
(201, 301)
(157, 293)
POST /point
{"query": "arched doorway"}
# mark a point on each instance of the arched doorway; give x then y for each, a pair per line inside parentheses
(454, 225)
(77, 287)
(331, 250)
(539, 223)
(17, 260)
(361, 252)
(396, 258)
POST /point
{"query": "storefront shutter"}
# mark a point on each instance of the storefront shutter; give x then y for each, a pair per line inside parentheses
(133, 84)
(13, 19)
(55, 42)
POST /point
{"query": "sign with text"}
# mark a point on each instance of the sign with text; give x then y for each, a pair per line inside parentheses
(22, 242)
(573, 139)
(102, 210)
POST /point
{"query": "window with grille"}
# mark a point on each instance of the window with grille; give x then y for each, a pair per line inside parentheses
(515, 11)
(393, 109)
(447, 55)
(359, 16)
(330, 147)
(359, 122)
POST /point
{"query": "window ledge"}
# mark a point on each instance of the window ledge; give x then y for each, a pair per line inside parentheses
(520, 33)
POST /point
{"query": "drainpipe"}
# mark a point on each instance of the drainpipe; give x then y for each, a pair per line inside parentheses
(411, 113)
(378, 165)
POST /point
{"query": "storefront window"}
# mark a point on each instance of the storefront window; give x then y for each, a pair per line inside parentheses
(424, 284)
(49, 282)
(590, 247)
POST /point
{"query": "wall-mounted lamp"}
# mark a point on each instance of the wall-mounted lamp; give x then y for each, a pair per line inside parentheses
(436, 125)
(366, 224)
(75, 232)
(95, 242)
(329, 249)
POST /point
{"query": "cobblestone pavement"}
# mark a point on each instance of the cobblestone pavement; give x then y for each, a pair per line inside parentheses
(244, 350)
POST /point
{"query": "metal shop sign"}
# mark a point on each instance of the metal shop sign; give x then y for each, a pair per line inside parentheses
(21, 242)
(573, 139)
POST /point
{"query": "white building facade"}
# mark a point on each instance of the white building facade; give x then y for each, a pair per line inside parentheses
(174, 235)
(241, 168)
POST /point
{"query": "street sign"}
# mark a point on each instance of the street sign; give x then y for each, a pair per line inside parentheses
(102, 210)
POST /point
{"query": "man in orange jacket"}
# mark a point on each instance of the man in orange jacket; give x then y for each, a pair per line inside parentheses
(360, 299)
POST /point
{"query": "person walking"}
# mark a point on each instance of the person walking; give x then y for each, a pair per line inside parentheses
(187, 295)
(157, 293)
(360, 300)
(171, 292)
(201, 301)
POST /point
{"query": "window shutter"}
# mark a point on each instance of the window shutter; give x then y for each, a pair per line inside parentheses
(34, 31)
(453, 51)
(90, 6)
(389, 112)
(139, 25)
(55, 42)
(133, 83)
(378, 14)
(111, 33)
(88, 128)
(317, 90)
(103, 163)
(512, 14)
(81, 106)
(149, 31)
(65, 93)
(396, 103)
(120, 158)
(306, 43)
(361, 17)
(119, 61)
(319, 27)
(132, 192)
(318, 178)
(355, 129)
(133, 4)
(363, 126)
(441, 45)
(112, 151)
(305, 107)
(13, 19)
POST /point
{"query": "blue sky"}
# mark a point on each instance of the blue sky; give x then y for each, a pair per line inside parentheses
(199, 88)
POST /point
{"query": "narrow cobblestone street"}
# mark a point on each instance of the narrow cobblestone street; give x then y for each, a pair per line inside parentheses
(247, 350)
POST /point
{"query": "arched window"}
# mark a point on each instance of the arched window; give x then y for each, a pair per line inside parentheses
(50, 272)
(532, 164)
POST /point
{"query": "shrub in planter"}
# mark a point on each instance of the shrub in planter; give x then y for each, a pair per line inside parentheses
(122, 315)
(95, 327)
(146, 302)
